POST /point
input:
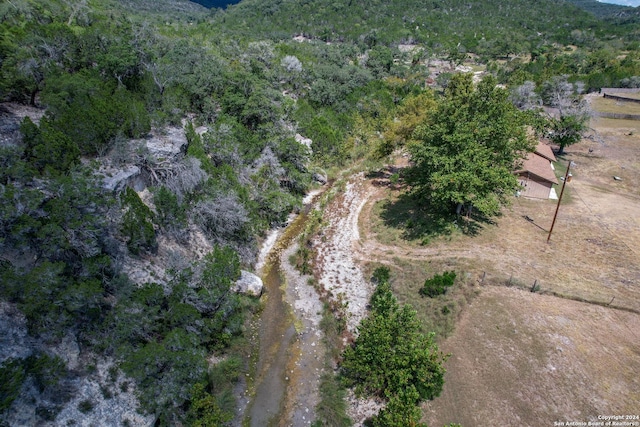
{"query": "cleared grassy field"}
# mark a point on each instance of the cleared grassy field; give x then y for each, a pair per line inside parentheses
(608, 105)
(632, 95)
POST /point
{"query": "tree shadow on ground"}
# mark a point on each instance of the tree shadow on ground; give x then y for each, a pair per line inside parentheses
(418, 220)
(388, 176)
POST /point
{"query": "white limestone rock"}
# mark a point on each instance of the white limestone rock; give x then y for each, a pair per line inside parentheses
(304, 141)
(121, 178)
(168, 144)
(249, 284)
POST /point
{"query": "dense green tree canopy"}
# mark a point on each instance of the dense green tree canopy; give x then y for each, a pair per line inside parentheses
(487, 27)
(468, 148)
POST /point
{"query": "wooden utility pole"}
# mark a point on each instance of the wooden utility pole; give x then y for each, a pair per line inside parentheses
(566, 175)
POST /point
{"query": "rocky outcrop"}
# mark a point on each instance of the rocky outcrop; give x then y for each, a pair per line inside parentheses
(249, 284)
(11, 116)
(117, 179)
(14, 341)
(143, 162)
(319, 177)
(304, 141)
(169, 143)
(103, 400)
(68, 350)
(79, 399)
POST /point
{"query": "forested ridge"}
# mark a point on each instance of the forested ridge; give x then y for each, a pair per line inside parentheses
(610, 12)
(483, 27)
(146, 147)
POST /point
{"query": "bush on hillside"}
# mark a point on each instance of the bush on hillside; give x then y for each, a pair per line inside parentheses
(438, 284)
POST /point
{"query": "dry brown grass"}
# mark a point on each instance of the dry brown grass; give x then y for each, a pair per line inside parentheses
(523, 359)
(609, 105)
(632, 95)
(440, 314)
(592, 255)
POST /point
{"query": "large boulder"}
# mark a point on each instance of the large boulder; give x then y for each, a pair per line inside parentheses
(167, 144)
(117, 179)
(319, 177)
(249, 284)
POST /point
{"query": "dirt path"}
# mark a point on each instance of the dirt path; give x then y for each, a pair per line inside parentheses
(336, 262)
(339, 270)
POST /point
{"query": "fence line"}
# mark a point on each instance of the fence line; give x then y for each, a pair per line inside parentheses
(620, 90)
(621, 116)
(622, 98)
(536, 287)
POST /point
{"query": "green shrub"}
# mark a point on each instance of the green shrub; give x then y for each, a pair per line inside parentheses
(12, 375)
(225, 373)
(91, 112)
(204, 409)
(401, 411)
(46, 370)
(106, 392)
(332, 407)
(391, 355)
(48, 149)
(85, 406)
(165, 371)
(137, 223)
(438, 284)
(48, 413)
(170, 213)
(381, 275)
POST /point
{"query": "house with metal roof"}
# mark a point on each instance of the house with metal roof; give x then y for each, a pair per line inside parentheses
(537, 175)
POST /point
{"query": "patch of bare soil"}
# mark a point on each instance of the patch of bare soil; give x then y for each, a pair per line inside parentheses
(525, 359)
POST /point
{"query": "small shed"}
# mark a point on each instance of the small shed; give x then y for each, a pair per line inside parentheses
(537, 175)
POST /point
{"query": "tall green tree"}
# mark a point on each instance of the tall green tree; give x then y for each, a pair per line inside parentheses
(137, 223)
(567, 129)
(391, 354)
(571, 121)
(48, 149)
(466, 151)
(392, 359)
